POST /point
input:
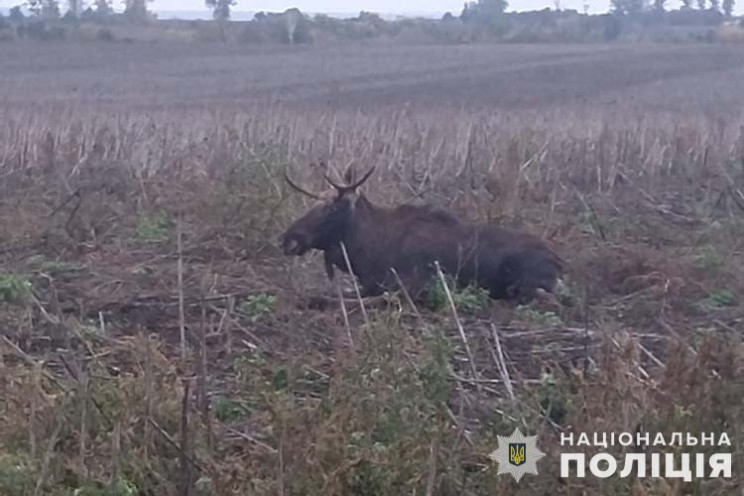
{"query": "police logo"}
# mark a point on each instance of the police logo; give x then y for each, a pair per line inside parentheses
(517, 455)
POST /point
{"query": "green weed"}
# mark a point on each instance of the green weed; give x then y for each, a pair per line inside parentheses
(204, 486)
(592, 223)
(468, 299)
(52, 267)
(719, 298)
(552, 401)
(17, 477)
(549, 319)
(153, 227)
(436, 371)
(566, 293)
(14, 288)
(91, 327)
(93, 488)
(708, 259)
(258, 305)
(228, 410)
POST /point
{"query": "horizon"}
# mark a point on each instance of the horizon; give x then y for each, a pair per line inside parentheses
(195, 9)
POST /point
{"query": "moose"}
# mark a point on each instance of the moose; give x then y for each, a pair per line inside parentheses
(511, 265)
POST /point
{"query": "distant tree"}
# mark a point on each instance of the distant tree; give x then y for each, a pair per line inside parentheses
(487, 9)
(494, 7)
(702, 4)
(659, 5)
(104, 8)
(16, 14)
(292, 18)
(34, 6)
(629, 8)
(715, 5)
(686, 4)
(487, 13)
(48, 9)
(136, 10)
(74, 8)
(612, 26)
(220, 9)
(728, 7)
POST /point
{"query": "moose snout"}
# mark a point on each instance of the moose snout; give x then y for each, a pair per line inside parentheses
(294, 244)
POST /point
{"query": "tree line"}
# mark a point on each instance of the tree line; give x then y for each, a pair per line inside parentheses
(487, 12)
(638, 7)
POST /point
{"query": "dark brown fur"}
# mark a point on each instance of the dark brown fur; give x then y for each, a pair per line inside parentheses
(510, 264)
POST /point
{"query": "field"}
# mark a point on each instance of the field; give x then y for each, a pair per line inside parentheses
(538, 77)
(154, 340)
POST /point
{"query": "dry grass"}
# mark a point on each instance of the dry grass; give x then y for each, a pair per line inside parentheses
(647, 211)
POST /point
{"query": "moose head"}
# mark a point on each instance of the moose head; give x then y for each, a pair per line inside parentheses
(328, 221)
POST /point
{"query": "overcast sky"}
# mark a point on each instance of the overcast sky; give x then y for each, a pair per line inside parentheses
(394, 6)
(383, 6)
(388, 6)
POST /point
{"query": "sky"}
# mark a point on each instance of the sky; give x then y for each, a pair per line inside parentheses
(419, 7)
(438, 7)
(384, 6)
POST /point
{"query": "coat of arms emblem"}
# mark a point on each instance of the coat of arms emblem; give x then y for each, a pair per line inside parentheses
(517, 454)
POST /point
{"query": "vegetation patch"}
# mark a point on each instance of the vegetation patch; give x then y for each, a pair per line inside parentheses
(14, 288)
(537, 317)
(720, 298)
(467, 299)
(258, 305)
(153, 226)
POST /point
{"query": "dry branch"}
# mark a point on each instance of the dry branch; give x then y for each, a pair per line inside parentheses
(453, 308)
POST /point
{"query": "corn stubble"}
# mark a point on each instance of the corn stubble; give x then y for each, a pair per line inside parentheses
(162, 345)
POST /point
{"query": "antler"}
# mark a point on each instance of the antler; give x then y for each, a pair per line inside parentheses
(350, 187)
(300, 189)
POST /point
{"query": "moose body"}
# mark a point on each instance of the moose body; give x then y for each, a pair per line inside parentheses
(410, 239)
